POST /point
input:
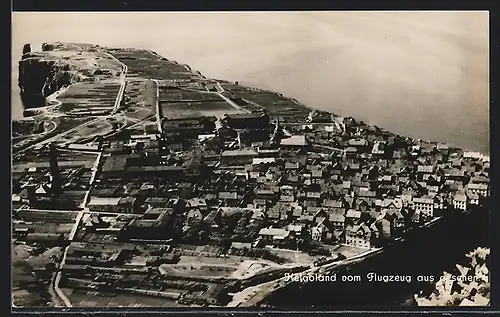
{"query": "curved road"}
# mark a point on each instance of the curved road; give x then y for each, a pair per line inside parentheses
(252, 296)
(80, 214)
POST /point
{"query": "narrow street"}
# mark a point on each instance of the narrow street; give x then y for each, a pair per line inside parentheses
(71, 236)
(157, 105)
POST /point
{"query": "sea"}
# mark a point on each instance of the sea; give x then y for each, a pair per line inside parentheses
(419, 262)
(419, 74)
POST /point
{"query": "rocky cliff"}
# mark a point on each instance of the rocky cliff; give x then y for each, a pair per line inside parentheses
(468, 286)
(41, 74)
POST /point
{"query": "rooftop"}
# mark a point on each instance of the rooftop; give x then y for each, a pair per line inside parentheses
(294, 140)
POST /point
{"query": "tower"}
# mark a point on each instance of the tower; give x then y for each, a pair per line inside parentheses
(26, 48)
(31, 195)
(54, 168)
(277, 133)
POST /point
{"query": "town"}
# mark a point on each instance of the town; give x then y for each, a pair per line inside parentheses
(146, 183)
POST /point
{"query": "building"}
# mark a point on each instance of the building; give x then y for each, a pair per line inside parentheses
(172, 172)
(263, 161)
(274, 234)
(353, 216)
(47, 239)
(253, 120)
(378, 148)
(194, 215)
(473, 199)
(399, 219)
(350, 152)
(156, 202)
(460, 202)
(337, 220)
(480, 189)
(237, 157)
(474, 156)
(114, 165)
(425, 169)
(424, 206)
(317, 116)
(241, 245)
(385, 225)
(322, 231)
(188, 126)
(294, 142)
(359, 236)
(439, 203)
(113, 204)
(153, 224)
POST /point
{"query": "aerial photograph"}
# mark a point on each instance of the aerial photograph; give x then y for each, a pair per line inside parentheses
(232, 160)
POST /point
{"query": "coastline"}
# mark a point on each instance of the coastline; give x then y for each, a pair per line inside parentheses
(307, 106)
(254, 295)
(399, 265)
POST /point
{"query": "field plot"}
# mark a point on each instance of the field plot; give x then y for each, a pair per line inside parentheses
(92, 130)
(175, 95)
(275, 103)
(293, 256)
(89, 98)
(62, 125)
(25, 129)
(81, 56)
(198, 270)
(44, 219)
(40, 159)
(136, 114)
(29, 288)
(349, 251)
(140, 94)
(82, 298)
(186, 109)
(142, 63)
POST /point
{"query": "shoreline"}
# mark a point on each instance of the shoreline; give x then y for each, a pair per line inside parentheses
(323, 269)
(257, 294)
(454, 216)
(293, 99)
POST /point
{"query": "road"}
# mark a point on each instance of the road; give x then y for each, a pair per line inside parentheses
(77, 211)
(53, 99)
(219, 92)
(72, 233)
(125, 128)
(253, 103)
(92, 178)
(252, 296)
(57, 280)
(21, 167)
(157, 105)
(62, 134)
(123, 82)
(329, 148)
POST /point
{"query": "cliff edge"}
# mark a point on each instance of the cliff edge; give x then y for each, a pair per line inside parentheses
(470, 286)
(58, 65)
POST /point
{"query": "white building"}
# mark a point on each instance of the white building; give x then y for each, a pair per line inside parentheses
(480, 189)
(425, 206)
(460, 202)
(359, 236)
(473, 199)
